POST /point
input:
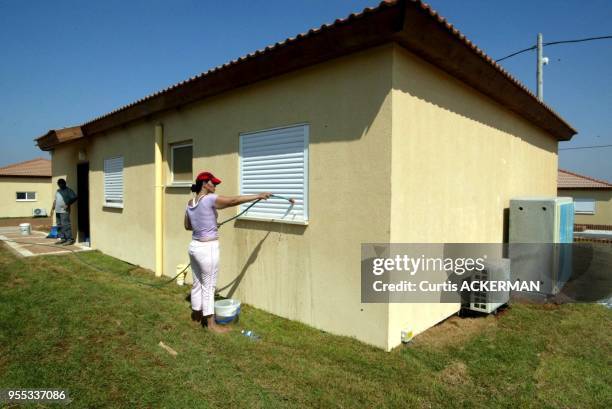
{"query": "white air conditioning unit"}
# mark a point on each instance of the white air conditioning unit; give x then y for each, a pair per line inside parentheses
(483, 301)
(541, 234)
(39, 212)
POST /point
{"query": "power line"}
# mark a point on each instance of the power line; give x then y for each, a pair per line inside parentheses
(579, 40)
(555, 43)
(586, 147)
(517, 53)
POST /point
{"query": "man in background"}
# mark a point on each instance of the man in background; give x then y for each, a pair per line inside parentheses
(64, 197)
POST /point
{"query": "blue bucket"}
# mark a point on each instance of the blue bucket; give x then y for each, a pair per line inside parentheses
(53, 233)
(227, 320)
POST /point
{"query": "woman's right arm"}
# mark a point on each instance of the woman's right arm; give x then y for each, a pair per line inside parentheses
(229, 201)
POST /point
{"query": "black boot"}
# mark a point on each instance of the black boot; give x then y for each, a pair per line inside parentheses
(196, 316)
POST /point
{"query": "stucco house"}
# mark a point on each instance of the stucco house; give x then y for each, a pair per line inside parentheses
(592, 198)
(386, 126)
(25, 187)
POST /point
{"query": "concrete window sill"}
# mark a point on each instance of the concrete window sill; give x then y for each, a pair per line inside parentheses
(114, 205)
(257, 219)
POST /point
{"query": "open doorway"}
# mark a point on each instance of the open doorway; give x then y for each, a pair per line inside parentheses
(83, 201)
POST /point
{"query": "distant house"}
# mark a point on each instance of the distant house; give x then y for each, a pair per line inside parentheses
(592, 198)
(386, 126)
(24, 187)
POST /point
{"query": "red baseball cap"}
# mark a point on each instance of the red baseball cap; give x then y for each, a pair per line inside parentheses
(207, 176)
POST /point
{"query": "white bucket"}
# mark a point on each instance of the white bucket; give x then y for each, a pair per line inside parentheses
(226, 310)
(25, 229)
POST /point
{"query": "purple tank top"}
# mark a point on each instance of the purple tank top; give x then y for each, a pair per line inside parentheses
(203, 217)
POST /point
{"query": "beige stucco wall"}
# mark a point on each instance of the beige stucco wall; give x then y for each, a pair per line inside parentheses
(307, 273)
(603, 205)
(457, 159)
(9, 186)
(127, 233)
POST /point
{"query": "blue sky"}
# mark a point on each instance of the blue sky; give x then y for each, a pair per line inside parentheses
(65, 62)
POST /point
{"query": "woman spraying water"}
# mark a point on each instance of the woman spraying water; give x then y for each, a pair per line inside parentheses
(201, 218)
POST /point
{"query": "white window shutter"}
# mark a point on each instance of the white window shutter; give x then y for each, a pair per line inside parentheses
(113, 181)
(584, 206)
(276, 161)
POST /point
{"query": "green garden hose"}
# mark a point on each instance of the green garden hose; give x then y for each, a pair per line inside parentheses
(154, 285)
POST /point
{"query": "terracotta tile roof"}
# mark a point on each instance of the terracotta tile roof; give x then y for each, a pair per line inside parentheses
(39, 167)
(411, 23)
(571, 180)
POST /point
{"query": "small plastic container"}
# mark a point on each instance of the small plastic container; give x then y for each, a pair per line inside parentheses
(181, 274)
(250, 334)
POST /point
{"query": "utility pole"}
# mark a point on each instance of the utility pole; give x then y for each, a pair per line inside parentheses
(542, 61)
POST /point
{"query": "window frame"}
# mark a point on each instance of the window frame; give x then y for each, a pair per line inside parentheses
(306, 147)
(26, 197)
(115, 205)
(171, 148)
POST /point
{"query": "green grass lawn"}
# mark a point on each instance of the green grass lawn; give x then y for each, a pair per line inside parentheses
(66, 325)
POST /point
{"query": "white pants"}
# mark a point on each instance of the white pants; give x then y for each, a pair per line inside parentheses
(204, 258)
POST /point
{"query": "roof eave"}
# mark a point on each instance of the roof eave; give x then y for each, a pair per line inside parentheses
(47, 141)
(436, 41)
(25, 176)
(54, 137)
(411, 24)
(585, 188)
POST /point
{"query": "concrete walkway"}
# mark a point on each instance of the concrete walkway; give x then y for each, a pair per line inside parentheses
(36, 244)
(595, 234)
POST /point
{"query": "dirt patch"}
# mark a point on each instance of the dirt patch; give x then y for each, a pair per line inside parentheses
(455, 374)
(61, 346)
(37, 223)
(139, 271)
(549, 307)
(454, 331)
(15, 282)
(167, 327)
